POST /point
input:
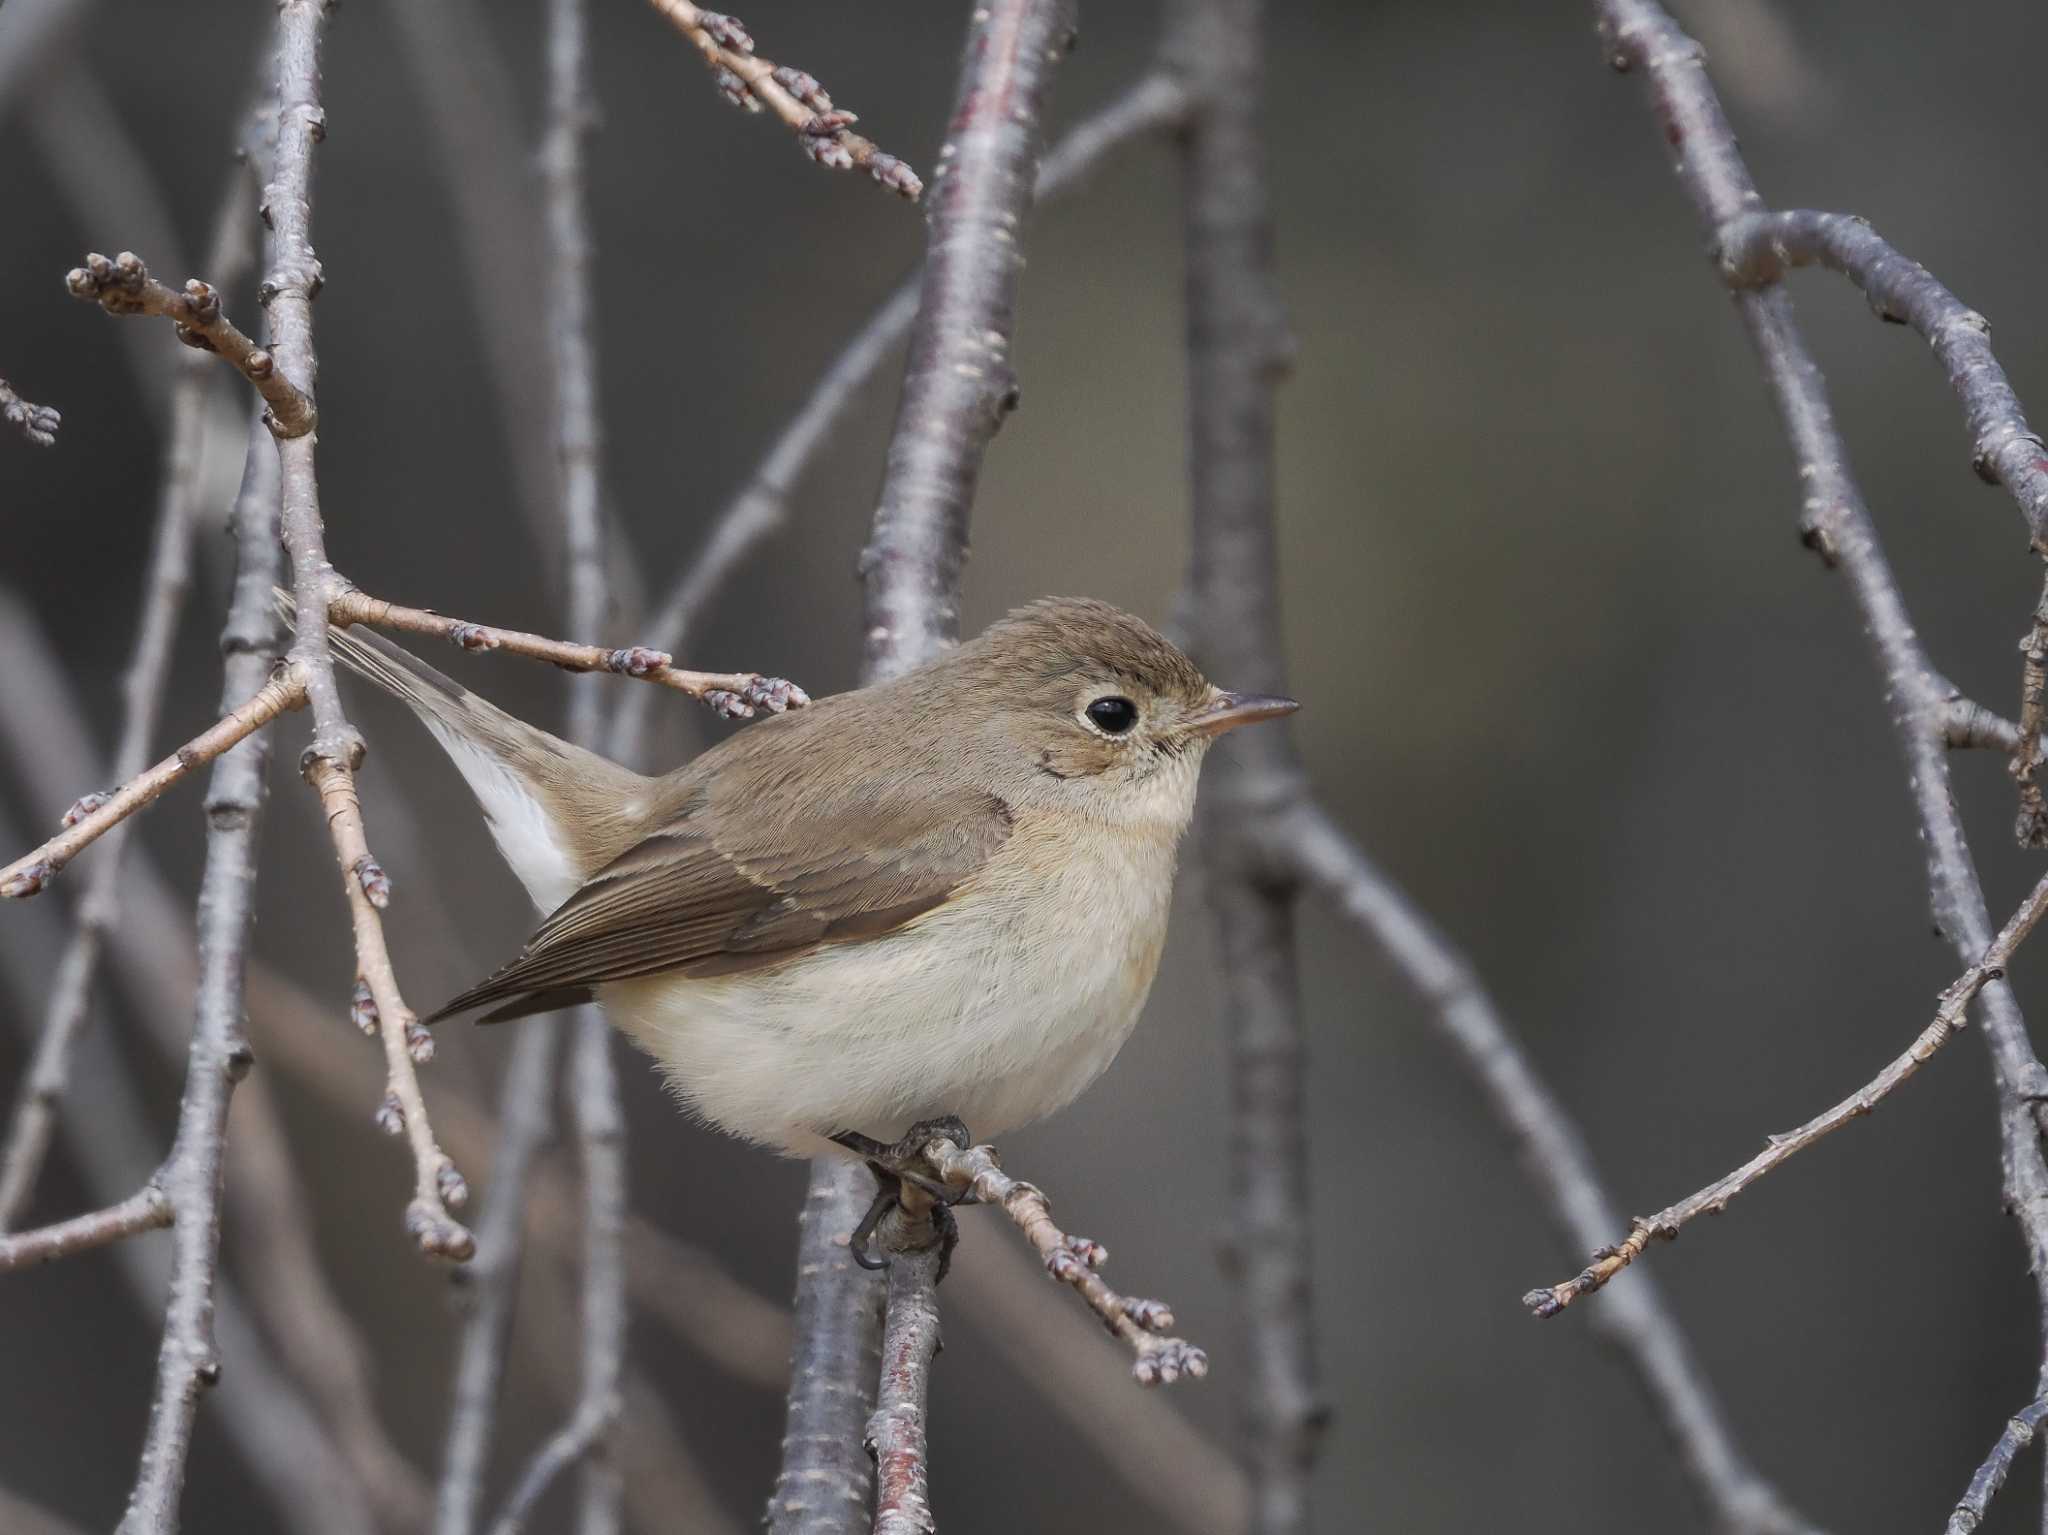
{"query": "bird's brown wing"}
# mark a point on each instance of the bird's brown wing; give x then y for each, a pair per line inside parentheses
(741, 880)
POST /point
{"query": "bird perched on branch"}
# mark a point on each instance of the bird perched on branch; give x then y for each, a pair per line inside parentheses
(938, 899)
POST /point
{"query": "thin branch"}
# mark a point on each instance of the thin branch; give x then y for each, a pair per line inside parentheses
(94, 815)
(2019, 1433)
(144, 1210)
(600, 1142)
(38, 423)
(489, 1284)
(958, 385)
(1555, 1159)
(1949, 1019)
(761, 507)
(124, 286)
(896, 1429)
(600, 1125)
(822, 1485)
(165, 583)
(1144, 1326)
(1639, 34)
(330, 761)
(1238, 348)
(1756, 249)
(823, 131)
(571, 1443)
(733, 695)
(1967, 724)
(189, 1360)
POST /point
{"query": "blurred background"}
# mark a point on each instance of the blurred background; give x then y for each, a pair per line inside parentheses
(1569, 676)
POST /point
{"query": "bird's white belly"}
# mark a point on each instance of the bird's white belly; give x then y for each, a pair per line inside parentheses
(999, 1009)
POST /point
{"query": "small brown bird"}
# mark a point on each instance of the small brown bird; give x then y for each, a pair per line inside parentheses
(941, 896)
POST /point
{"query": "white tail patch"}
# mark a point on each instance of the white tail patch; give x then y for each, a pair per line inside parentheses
(528, 839)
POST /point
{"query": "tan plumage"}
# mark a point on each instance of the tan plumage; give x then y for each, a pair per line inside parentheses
(941, 894)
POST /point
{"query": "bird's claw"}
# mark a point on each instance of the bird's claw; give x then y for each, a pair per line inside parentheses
(904, 1163)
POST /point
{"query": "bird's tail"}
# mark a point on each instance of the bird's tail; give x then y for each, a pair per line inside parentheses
(533, 787)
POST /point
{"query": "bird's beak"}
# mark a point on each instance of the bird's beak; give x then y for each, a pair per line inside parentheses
(1227, 711)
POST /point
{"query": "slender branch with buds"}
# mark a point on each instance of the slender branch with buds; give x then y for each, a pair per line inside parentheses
(38, 423)
(823, 131)
(730, 695)
(95, 814)
(1144, 1326)
(1949, 1020)
(124, 286)
(2019, 1433)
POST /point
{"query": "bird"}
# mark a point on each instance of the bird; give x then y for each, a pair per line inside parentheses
(939, 899)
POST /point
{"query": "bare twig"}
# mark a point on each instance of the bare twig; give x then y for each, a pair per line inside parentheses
(822, 1485)
(1238, 347)
(1639, 34)
(524, 1123)
(735, 695)
(600, 1125)
(2019, 1433)
(1142, 1325)
(38, 423)
(163, 599)
(958, 386)
(896, 1429)
(1949, 1019)
(1756, 249)
(124, 286)
(1967, 724)
(761, 506)
(96, 814)
(745, 79)
(219, 1056)
(144, 1210)
(330, 761)
(1554, 1157)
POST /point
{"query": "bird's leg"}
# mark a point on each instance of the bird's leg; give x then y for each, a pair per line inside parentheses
(905, 1180)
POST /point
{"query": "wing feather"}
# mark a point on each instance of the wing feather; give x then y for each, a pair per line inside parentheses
(738, 881)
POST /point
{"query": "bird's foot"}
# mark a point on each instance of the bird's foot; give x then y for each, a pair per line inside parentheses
(906, 1181)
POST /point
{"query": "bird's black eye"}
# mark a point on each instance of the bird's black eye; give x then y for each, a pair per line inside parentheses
(1113, 716)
